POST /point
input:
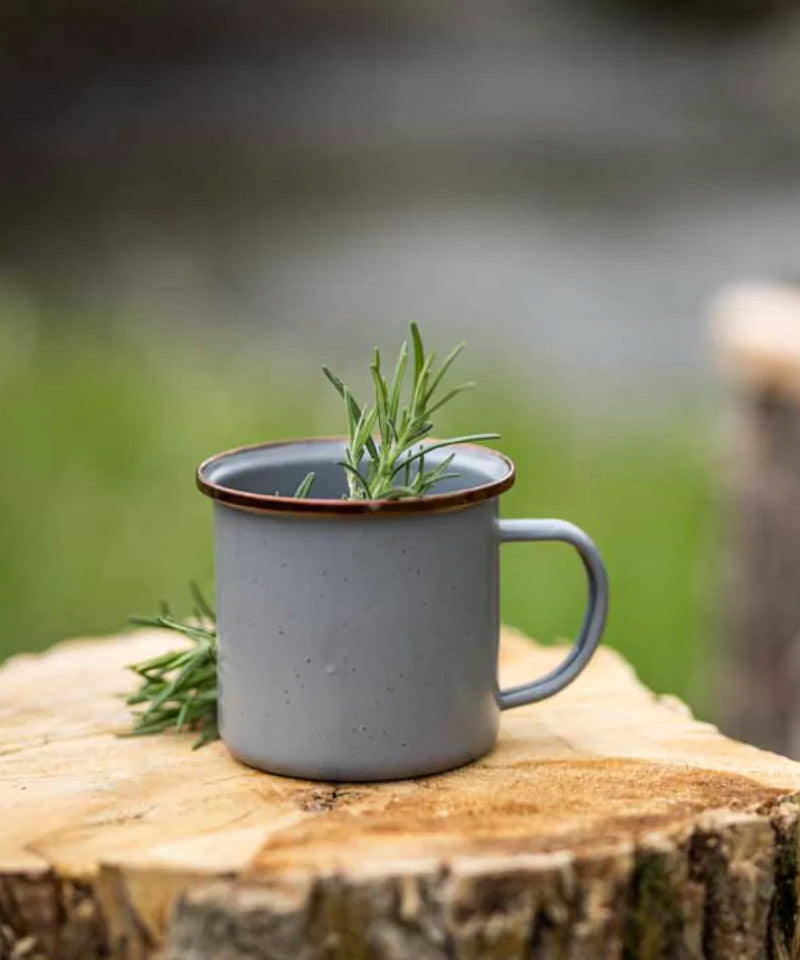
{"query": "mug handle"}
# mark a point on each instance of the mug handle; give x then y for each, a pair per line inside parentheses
(593, 620)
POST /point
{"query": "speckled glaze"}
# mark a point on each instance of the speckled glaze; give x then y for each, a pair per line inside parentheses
(362, 645)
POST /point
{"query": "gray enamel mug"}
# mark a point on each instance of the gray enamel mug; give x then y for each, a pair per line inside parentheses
(358, 640)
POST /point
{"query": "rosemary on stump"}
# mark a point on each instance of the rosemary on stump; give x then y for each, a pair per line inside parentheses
(179, 689)
(384, 460)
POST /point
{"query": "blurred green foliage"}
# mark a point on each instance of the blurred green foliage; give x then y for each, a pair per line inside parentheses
(101, 433)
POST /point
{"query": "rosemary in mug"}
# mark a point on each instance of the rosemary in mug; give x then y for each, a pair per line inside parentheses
(384, 460)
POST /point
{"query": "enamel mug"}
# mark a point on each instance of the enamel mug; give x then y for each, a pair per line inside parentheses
(358, 640)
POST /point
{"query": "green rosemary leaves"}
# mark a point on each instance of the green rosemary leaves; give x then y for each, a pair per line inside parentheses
(178, 690)
(394, 466)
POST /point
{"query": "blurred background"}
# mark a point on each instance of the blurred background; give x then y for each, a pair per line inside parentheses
(204, 202)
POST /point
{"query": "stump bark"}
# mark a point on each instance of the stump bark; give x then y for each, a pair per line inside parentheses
(608, 823)
(757, 329)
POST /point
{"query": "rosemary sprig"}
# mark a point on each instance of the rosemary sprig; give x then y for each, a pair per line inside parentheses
(179, 688)
(304, 486)
(385, 455)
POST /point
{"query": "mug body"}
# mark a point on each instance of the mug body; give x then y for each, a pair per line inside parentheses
(356, 642)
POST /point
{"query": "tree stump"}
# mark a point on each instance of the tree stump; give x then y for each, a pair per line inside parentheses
(608, 823)
(757, 329)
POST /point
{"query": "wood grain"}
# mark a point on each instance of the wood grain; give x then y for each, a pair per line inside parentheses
(607, 823)
(757, 329)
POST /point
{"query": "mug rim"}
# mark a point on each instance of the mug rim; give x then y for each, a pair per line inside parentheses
(271, 503)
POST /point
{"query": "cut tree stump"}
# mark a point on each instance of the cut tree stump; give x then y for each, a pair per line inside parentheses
(608, 823)
(757, 332)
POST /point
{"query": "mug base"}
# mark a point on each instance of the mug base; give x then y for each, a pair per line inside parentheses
(358, 773)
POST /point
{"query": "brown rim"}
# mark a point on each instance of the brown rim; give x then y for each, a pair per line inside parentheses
(265, 503)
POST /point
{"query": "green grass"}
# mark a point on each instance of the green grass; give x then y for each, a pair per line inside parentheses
(99, 516)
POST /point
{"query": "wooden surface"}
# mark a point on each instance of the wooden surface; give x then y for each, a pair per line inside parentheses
(757, 329)
(756, 332)
(607, 824)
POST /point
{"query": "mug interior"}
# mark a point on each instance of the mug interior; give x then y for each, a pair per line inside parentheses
(276, 470)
